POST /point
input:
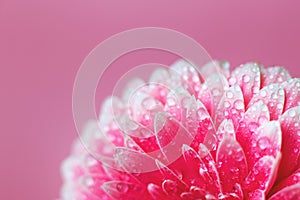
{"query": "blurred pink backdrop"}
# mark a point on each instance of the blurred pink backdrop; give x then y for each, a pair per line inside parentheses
(42, 44)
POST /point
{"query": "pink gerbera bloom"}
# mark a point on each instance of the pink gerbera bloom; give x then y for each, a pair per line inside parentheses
(207, 134)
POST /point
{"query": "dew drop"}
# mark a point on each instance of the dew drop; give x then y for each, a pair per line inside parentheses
(262, 120)
(229, 95)
(170, 186)
(88, 182)
(122, 188)
(210, 197)
(239, 105)
(281, 92)
(233, 111)
(171, 102)
(246, 78)
(232, 81)
(255, 89)
(226, 104)
(215, 92)
(226, 113)
(263, 93)
(280, 106)
(263, 143)
(292, 113)
(238, 157)
(195, 79)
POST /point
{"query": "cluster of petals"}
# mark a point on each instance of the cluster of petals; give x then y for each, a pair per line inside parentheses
(209, 133)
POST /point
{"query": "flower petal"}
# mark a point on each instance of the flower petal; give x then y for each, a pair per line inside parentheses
(248, 77)
(225, 129)
(212, 91)
(231, 106)
(274, 75)
(92, 183)
(291, 180)
(290, 125)
(292, 90)
(265, 142)
(231, 162)
(208, 165)
(171, 135)
(143, 107)
(273, 96)
(123, 190)
(141, 166)
(256, 195)
(288, 193)
(193, 164)
(255, 116)
(262, 175)
(199, 123)
(134, 162)
(173, 180)
(190, 77)
(96, 141)
(177, 102)
(140, 137)
(171, 188)
(156, 192)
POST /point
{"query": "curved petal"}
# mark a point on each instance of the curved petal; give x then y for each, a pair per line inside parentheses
(190, 77)
(232, 165)
(292, 90)
(273, 96)
(265, 142)
(133, 161)
(96, 142)
(256, 195)
(248, 77)
(171, 135)
(208, 165)
(231, 106)
(193, 164)
(171, 188)
(274, 75)
(199, 123)
(214, 67)
(288, 193)
(177, 102)
(92, 184)
(139, 165)
(156, 192)
(262, 175)
(123, 190)
(225, 129)
(290, 125)
(212, 91)
(255, 116)
(291, 180)
(171, 180)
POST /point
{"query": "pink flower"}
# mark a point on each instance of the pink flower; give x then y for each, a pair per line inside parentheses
(212, 134)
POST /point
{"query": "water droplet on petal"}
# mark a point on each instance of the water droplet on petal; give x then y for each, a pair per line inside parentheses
(263, 143)
(122, 188)
(246, 78)
(226, 104)
(229, 95)
(239, 104)
(263, 93)
(292, 113)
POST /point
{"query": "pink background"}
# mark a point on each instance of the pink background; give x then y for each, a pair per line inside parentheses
(42, 44)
